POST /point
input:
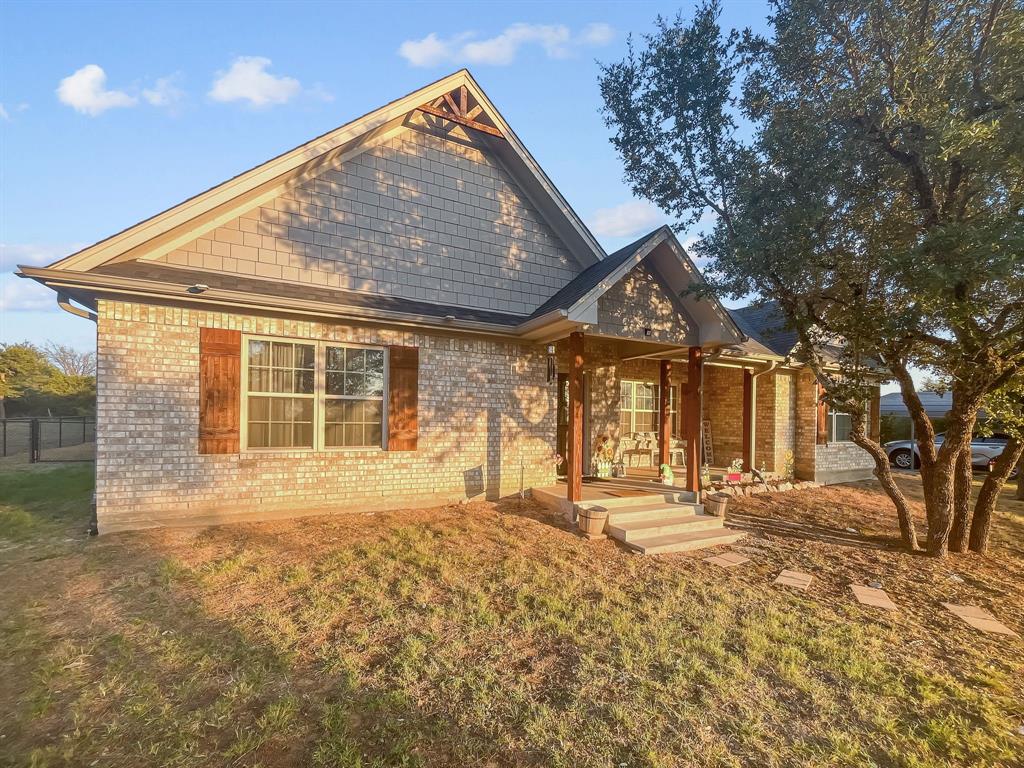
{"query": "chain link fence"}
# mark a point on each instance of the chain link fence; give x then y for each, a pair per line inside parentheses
(52, 438)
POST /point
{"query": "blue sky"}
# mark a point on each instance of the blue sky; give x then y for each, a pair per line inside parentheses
(112, 112)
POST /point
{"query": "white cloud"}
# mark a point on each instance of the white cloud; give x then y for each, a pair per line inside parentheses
(165, 92)
(597, 34)
(4, 114)
(21, 294)
(86, 92)
(248, 80)
(632, 218)
(33, 254)
(556, 40)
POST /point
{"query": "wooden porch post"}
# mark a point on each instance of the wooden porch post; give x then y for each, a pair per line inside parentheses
(574, 444)
(694, 369)
(664, 416)
(748, 419)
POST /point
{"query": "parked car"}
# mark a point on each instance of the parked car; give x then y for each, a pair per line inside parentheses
(984, 450)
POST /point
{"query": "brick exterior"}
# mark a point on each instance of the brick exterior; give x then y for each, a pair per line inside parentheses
(486, 415)
(422, 216)
(723, 406)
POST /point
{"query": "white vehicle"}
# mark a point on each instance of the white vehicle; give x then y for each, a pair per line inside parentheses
(984, 450)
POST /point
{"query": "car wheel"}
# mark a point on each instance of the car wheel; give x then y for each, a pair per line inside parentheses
(902, 458)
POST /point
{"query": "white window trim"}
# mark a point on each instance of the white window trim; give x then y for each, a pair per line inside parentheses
(830, 427)
(319, 396)
(633, 411)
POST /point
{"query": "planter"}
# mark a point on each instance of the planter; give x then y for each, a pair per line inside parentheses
(734, 477)
(715, 504)
(591, 522)
(602, 468)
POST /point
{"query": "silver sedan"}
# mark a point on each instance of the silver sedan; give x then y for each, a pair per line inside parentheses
(984, 450)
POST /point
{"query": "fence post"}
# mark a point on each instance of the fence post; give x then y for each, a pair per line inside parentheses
(33, 449)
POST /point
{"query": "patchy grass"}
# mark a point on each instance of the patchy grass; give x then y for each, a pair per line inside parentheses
(489, 635)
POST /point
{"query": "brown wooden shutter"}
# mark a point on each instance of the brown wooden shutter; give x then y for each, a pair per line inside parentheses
(822, 417)
(220, 390)
(403, 398)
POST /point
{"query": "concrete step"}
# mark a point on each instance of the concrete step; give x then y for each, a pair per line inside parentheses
(632, 530)
(652, 510)
(684, 542)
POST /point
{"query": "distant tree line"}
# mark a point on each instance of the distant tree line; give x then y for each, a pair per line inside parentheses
(52, 380)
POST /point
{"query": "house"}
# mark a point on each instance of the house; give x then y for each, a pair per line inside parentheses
(406, 311)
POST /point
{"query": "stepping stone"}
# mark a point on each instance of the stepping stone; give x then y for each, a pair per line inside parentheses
(979, 618)
(876, 598)
(727, 559)
(794, 579)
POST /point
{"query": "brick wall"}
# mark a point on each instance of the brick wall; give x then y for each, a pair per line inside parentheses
(422, 216)
(723, 406)
(486, 421)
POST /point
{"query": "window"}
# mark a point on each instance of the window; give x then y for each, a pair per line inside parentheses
(638, 407)
(354, 397)
(310, 395)
(838, 425)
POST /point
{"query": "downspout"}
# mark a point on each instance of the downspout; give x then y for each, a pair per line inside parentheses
(64, 302)
(753, 411)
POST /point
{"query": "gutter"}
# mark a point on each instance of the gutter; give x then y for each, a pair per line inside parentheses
(115, 286)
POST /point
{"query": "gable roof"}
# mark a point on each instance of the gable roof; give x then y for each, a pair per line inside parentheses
(589, 279)
(184, 222)
(578, 299)
(766, 325)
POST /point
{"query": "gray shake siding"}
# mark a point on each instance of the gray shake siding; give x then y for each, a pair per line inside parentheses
(421, 216)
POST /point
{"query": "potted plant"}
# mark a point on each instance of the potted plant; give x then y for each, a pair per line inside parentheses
(603, 455)
(735, 472)
(665, 475)
(715, 504)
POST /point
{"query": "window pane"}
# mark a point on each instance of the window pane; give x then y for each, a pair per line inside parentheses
(283, 355)
(259, 435)
(282, 381)
(259, 379)
(353, 423)
(335, 383)
(302, 436)
(355, 384)
(335, 359)
(375, 361)
(305, 356)
(304, 382)
(259, 409)
(259, 353)
(280, 435)
(842, 429)
(372, 435)
(355, 360)
(375, 384)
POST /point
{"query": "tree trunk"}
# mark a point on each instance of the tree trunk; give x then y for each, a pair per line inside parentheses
(981, 526)
(908, 533)
(961, 502)
(1020, 479)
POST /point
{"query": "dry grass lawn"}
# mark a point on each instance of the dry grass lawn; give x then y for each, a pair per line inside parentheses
(489, 635)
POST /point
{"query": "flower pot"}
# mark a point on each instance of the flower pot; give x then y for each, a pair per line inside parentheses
(716, 503)
(591, 522)
(734, 477)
